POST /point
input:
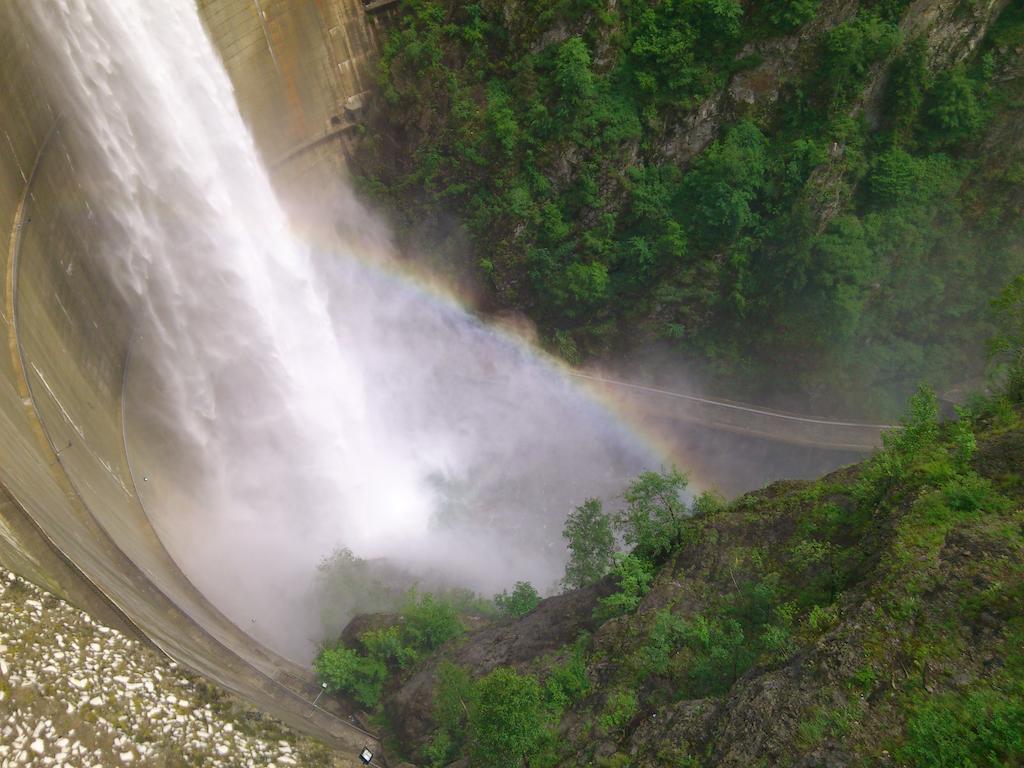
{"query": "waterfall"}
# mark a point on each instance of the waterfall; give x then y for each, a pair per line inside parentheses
(284, 401)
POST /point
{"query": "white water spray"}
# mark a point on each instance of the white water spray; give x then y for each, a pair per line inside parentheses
(283, 403)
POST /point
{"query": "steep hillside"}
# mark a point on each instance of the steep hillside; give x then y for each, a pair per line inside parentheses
(874, 617)
(812, 199)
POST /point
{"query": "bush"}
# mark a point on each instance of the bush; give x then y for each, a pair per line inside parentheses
(345, 671)
(719, 191)
(524, 598)
(619, 709)
(506, 720)
(429, 622)
(568, 683)
(719, 655)
(426, 623)
(634, 575)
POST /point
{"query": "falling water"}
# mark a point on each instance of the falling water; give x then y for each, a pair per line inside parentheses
(285, 402)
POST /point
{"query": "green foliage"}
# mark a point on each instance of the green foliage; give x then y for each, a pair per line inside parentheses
(453, 696)
(1006, 349)
(619, 709)
(908, 83)
(429, 622)
(655, 514)
(634, 576)
(986, 728)
(901, 447)
(524, 598)
(345, 671)
(849, 50)
(506, 721)
(954, 112)
(588, 529)
(553, 136)
(720, 655)
(568, 683)
(822, 618)
(426, 623)
(788, 15)
(718, 193)
(664, 640)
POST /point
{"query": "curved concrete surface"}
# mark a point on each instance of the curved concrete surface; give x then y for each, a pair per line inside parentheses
(70, 514)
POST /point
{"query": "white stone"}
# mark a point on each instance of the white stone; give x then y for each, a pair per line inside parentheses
(38, 747)
(127, 757)
(96, 701)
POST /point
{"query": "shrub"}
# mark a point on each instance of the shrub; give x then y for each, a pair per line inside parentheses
(634, 575)
(524, 598)
(568, 682)
(719, 655)
(619, 709)
(429, 622)
(506, 721)
(665, 638)
(345, 671)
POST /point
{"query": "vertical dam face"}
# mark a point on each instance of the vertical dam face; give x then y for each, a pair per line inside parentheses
(196, 407)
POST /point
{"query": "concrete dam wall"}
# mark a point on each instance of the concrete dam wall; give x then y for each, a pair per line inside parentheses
(70, 514)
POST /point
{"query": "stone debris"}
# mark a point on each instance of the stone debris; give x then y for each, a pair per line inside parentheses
(76, 693)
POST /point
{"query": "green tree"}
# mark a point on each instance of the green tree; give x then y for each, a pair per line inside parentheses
(907, 86)
(954, 113)
(655, 513)
(588, 529)
(524, 598)
(506, 721)
(719, 191)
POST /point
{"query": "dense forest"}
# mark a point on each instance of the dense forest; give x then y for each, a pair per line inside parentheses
(815, 200)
